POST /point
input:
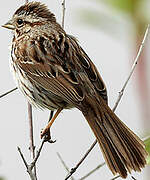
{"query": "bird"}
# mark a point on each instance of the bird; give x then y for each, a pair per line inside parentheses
(54, 72)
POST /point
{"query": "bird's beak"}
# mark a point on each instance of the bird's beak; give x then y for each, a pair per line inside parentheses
(9, 25)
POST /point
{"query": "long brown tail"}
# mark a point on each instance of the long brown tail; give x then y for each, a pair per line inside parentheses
(122, 149)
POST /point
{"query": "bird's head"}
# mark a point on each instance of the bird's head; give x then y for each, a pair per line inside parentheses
(29, 15)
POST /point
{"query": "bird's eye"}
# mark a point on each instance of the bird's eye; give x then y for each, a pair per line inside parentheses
(20, 22)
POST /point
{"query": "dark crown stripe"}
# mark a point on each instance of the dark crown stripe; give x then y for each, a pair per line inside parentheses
(37, 9)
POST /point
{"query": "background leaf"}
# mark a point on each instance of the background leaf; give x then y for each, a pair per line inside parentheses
(147, 143)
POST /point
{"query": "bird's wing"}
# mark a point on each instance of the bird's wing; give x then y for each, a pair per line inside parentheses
(60, 65)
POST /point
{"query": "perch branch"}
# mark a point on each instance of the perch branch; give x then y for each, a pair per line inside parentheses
(118, 100)
(32, 164)
(37, 155)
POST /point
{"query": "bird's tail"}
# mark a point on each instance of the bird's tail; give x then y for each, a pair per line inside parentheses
(122, 149)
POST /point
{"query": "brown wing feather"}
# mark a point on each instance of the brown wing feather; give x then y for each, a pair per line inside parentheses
(59, 65)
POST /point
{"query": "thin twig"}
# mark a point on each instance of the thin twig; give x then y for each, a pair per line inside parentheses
(133, 67)
(133, 178)
(118, 100)
(32, 147)
(39, 152)
(8, 92)
(64, 164)
(37, 155)
(25, 163)
(115, 177)
(32, 165)
(32, 176)
(63, 11)
(79, 163)
(91, 172)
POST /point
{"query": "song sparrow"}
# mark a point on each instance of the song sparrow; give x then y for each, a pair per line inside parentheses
(53, 71)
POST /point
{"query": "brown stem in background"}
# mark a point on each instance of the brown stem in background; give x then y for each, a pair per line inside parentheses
(63, 11)
(31, 147)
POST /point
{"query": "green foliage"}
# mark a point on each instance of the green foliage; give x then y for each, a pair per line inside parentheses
(1, 178)
(147, 143)
(108, 21)
(123, 5)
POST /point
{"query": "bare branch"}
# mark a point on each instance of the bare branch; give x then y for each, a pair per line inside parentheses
(39, 152)
(91, 172)
(8, 92)
(80, 162)
(133, 178)
(22, 156)
(133, 67)
(37, 155)
(64, 164)
(31, 147)
(115, 177)
(118, 100)
(31, 130)
(32, 176)
(32, 165)
(63, 11)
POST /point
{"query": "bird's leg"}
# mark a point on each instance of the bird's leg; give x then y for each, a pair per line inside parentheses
(46, 130)
(47, 137)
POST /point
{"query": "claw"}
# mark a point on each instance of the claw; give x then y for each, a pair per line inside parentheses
(46, 135)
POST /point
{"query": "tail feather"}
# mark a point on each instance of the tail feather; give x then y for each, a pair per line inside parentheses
(125, 145)
(132, 143)
(122, 149)
(110, 154)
